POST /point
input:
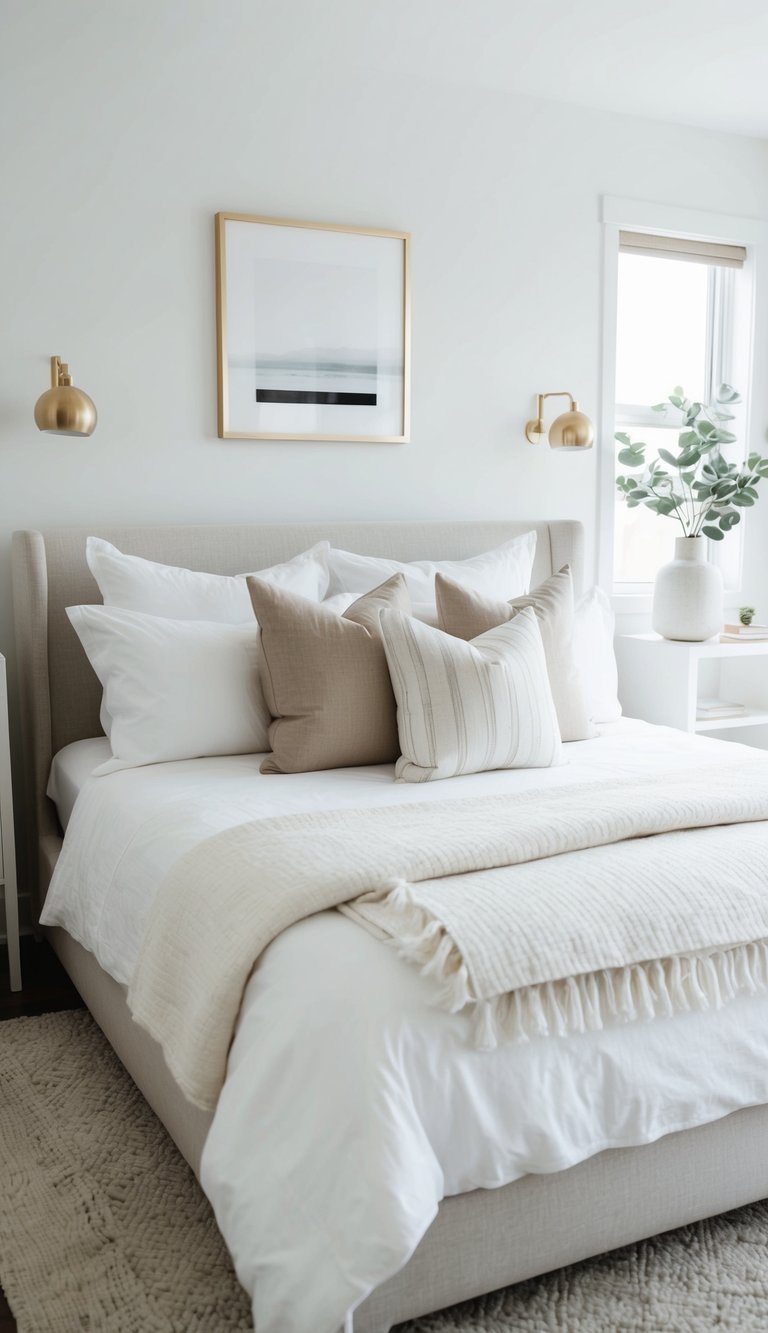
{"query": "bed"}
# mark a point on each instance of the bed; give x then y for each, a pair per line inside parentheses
(480, 1239)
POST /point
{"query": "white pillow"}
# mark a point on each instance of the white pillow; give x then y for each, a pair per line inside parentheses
(469, 707)
(504, 572)
(173, 689)
(594, 628)
(135, 584)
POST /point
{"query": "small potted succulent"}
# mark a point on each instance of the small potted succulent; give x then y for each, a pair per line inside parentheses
(705, 493)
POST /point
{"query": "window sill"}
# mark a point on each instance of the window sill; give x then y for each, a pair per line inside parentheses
(641, 603)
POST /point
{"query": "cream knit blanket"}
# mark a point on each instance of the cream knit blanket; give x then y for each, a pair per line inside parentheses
(548, 912)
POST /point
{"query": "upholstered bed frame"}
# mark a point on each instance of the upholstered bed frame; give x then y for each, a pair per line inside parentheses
(478, 1241)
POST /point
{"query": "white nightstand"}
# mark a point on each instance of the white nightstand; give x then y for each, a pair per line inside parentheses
(661, 680)
(7, 841)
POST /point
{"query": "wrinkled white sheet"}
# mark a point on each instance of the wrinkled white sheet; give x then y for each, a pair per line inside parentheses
(352, 1106)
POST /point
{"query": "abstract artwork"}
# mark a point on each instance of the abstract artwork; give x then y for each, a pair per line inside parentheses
(313, 331)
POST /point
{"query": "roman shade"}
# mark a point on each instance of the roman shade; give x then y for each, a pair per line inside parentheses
(682, 247)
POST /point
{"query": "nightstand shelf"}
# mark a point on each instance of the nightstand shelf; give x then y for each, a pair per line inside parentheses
(751, 718)
(661, 680)
(7, 842)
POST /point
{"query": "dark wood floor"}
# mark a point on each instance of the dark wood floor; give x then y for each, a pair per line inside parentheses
(46, 988)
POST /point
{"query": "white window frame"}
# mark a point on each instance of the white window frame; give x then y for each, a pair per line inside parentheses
(621, 214)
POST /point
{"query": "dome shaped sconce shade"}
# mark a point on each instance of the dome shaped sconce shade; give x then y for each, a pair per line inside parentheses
(63, 409)
(572, 430)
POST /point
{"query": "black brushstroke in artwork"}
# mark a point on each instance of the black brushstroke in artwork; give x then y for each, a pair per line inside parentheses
(315, 396)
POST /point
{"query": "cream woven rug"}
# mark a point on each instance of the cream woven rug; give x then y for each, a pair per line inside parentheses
(104, 1229)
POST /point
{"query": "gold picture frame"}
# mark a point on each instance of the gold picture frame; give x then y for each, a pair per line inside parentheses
(376, 379)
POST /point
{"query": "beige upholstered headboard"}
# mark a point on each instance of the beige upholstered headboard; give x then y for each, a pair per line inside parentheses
(59, 693)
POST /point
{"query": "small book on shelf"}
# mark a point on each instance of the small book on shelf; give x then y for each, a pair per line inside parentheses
(752, 631)
(710, 709)
(760, 636)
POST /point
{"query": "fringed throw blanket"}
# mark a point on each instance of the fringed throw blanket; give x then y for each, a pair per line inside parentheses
(549, 912)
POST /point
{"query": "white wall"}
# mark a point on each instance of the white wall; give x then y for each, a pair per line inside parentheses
(123, 137)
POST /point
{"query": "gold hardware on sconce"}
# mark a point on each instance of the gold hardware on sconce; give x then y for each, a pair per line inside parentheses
(63, 409)
(571, 430)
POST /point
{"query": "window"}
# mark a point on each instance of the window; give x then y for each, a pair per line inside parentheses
(674, 326)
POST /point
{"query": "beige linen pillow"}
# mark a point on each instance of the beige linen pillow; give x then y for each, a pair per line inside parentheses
(463, 613)
(325, 679)
(470, 707)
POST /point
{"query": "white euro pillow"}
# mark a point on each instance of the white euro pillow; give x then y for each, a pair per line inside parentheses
(504, 572)
(593, 633)
(467, 707)
(173, 689)
(136, 584)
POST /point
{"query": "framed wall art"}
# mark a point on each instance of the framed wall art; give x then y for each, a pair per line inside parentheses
(313, 324)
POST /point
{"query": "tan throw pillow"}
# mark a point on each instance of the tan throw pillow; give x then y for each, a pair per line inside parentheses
(325, 679)
(464, 614)
(470, 707)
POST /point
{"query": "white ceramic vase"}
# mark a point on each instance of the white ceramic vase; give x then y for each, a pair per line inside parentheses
(688, 594)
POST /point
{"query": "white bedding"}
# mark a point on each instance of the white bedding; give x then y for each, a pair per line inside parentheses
(70, 771)
(326, 1168)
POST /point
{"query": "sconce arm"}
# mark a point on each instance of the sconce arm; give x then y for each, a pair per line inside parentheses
(561, 393)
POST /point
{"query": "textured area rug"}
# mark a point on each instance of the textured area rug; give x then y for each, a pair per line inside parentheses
(102, 1223)
(104, 1229)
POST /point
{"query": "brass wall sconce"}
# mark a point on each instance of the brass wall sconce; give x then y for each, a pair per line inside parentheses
(571, 430)
(63, 409)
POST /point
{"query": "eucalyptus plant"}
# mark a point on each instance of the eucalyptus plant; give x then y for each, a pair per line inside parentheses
(698, 486)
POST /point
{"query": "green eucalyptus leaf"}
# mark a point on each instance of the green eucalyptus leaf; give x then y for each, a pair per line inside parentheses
(668, 457)
(630, 458)
(714, 534)
(622, 437)
(727, 394)
(743, 500)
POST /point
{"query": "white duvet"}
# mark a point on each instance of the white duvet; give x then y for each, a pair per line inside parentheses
(352, 1105)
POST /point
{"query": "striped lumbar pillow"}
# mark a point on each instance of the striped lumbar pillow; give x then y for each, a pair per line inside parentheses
(468, 707)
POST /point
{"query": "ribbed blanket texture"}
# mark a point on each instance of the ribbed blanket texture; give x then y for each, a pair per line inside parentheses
(549, 912)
